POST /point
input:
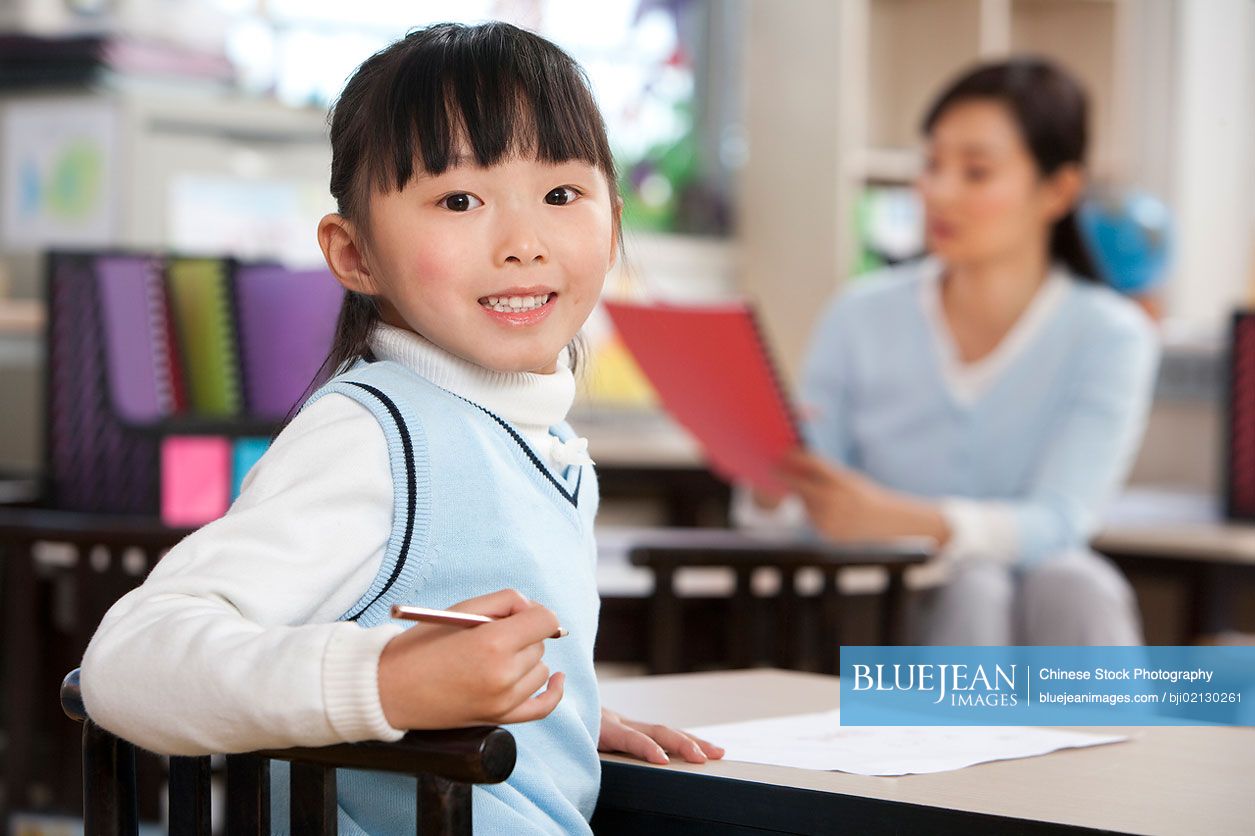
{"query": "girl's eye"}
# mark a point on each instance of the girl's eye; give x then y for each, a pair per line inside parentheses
(561, 196)
(461, 202)
(976, 175)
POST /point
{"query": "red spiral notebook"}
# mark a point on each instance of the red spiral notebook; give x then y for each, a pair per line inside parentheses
(714, 374)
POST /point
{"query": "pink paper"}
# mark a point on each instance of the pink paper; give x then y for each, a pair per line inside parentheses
(195, 479)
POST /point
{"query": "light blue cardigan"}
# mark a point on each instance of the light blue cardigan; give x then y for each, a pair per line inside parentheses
(1054, 435)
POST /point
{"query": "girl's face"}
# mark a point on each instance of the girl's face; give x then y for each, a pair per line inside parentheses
(500, 266)
(983, 195)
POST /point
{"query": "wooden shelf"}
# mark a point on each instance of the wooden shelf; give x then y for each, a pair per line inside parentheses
(914, 47)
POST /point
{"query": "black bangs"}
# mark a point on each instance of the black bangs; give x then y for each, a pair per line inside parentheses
(489, 91)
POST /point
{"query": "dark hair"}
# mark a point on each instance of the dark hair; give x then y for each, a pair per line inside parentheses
(500, 89)
(1050, 107)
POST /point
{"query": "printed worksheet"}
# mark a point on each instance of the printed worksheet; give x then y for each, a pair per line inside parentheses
(819, 741)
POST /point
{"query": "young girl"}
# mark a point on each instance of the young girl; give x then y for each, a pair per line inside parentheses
(478, 218)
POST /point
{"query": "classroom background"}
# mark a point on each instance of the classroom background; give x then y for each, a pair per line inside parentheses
(172, 156)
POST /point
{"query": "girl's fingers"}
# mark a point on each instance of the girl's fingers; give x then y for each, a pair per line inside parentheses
(676, 742)
(527, 659)
(711, 750)
(530, 626)
(636, 743)
(528, 684)
(497, 604)
(539, 706)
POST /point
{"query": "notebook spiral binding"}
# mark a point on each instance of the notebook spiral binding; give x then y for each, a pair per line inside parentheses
(230, 334)
(158, 328)
(773, 372)
(179, 395)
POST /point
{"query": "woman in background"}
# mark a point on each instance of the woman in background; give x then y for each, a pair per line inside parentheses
(992, 395)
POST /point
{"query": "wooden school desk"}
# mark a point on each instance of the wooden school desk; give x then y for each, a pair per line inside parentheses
(1167, 780)
(723, 565)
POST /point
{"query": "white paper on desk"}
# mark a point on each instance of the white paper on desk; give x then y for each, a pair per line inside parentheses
(819, 741)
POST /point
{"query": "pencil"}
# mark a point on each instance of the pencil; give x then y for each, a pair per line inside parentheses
(461, 619)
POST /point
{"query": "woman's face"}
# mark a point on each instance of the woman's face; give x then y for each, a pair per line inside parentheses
(984, 198)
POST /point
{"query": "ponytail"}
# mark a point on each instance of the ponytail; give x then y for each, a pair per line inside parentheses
(1068, 247)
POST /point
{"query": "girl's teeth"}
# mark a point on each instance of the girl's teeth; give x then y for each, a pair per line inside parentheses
(510, 304)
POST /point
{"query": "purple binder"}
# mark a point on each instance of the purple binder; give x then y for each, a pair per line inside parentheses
(286, 323)
(94, 462)
(135, 347)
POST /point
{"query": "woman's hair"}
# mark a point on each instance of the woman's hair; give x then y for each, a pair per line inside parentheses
(1049, 107)
(494, 88)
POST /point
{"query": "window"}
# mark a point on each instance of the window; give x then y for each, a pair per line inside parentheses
(664, 72)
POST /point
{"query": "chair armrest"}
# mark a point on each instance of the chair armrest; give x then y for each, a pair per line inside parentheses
(477, 755)
(72, 697)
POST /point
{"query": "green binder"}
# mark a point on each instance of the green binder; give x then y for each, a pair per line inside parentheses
(200, 298)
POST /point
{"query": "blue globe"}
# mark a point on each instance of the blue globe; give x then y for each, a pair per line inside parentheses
(1129, 234)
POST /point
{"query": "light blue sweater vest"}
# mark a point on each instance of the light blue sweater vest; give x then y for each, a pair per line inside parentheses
(475, 510)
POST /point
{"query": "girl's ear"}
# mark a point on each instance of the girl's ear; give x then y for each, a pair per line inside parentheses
(342, 250)
(1062, 191)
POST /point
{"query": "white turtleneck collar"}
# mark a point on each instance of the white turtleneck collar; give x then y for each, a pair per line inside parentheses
(530, 401)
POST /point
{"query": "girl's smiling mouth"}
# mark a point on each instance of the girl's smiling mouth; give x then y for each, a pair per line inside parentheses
(519, 306)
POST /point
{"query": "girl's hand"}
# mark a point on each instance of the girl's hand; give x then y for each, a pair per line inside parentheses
(441, 677)
(651, 742)
(845, 505)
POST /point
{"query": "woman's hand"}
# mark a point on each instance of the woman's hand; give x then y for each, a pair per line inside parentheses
(442, 677)
(651, 742)
(845, 505)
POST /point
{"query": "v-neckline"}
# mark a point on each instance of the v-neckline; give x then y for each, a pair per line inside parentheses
(566, 483)
(967, 383)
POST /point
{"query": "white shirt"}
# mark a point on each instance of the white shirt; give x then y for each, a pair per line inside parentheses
(237, 624)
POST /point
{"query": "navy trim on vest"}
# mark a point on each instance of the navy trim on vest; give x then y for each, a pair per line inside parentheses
(410, 483)
(574, 499)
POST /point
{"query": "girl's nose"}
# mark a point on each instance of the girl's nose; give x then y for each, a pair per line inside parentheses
(521, 242)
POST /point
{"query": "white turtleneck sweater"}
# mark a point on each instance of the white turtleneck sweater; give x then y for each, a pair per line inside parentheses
(531, 402)
(236, 626)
